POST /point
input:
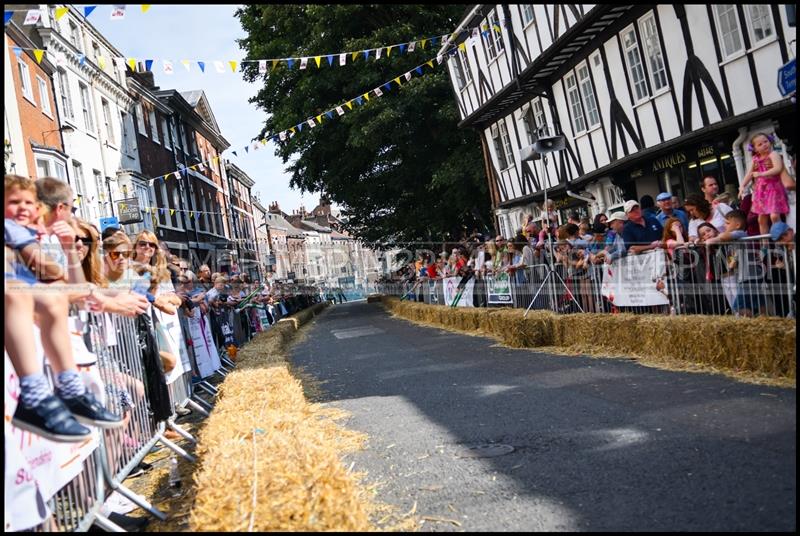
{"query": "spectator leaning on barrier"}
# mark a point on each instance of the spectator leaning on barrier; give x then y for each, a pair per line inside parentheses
(701, 211)
(615, 243)
(674, 235)
(668, 210)
(641, 233)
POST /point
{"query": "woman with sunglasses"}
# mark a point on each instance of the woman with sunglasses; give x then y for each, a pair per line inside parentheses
(148, 257)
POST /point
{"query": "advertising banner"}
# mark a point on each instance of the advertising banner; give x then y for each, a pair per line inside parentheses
(637, 280)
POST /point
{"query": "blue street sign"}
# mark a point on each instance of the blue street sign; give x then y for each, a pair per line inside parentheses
(108, 222)
(787, 78)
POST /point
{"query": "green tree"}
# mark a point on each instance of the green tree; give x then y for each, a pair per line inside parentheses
(399, 166)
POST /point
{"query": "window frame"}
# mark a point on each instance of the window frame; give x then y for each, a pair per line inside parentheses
(124, 134)
(590, 124)
(652, 73)
(635, 47)
(153, 117)
(44, 97)
(80, 188)
(74, 35)
(525, 20)
(721, 37)
(140, 124)
(165, 123)
(495, 38)
(66, 95)
(106, 107)
(25, 80)
(574, 103)
(751, 29)
(86, 105)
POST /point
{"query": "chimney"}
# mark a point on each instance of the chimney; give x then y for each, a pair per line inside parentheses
(274, 208)
(144, 77)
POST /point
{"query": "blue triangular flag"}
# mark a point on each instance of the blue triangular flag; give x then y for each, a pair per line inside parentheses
(81, 59)
(202, 65)
(247, 149)
(87, 10)
(9, 14)
(274, 138)
(433, 40)
(330, 60)
(234, 153)
(290, 62)
(163, 211)
(359, 100)
(148, 64)
(17, 51)
(403, 47)
(387, 86)
(329, 114)
(366, 54)
(419, 69)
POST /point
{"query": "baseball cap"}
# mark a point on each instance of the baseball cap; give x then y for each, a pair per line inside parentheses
(664, 196)
(777, 230)
(630, 204)
(621, 216)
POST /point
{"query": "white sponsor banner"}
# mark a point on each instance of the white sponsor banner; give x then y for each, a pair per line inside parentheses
(176, 345)
(498, 290)
(205, 354)
(637, 280)
(450, 291)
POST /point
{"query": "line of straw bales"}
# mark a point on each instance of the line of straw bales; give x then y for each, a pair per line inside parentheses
(270, 461)
(764, 346)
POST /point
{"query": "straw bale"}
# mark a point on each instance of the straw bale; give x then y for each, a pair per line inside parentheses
(269, 460)
(756, 347)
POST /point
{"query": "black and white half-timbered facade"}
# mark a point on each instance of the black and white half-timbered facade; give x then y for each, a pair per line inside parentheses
(650, 98)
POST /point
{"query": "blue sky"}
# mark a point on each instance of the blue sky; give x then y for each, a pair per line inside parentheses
(206, 33)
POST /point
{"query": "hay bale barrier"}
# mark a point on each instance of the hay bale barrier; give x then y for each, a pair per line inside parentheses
(759, 349)
(269, 460)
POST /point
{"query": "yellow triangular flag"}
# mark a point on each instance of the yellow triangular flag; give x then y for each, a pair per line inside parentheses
(422, 43)
(61, 11)
(233, 65)
(292, 129)
(191, 215)
(366, 95)
(389, 50)
(101, 61)
(38, 53)
(172, 212)
(145, 7)
(349, 104)
(275, 64)
(319, 119)
(317, 58)
(355, 54)
(398, 81)
(132, 64)
(430, 63)
(462, 47)
(215, 160)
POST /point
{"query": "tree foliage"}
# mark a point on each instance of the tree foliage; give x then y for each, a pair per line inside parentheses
(399, 166)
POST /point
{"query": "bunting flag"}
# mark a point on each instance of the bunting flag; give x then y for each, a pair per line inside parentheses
(168, 68)
(39, 54)
(377, 91)
(8, 15)
(412, 46)
(61, 11)
(101, 61)
(81, 59)
(355, 55)
(118, 13)
(303, 63)
(132, 64)
(187, 64)
(219, 66)
(18, 52)
(378, 53)
(148, 64)
(145, 7)
(32, 17)
(342, 59)
(233, 65)
(317, 60)
(262, 66)
(330, 60)
(311, 123)
(389, 51)
(339, 110)
(202, 66)
(87, 10)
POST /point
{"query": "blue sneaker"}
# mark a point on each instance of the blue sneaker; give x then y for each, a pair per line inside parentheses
(88, 410)
(50, 419)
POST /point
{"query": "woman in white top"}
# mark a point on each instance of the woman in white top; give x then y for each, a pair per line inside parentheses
(701, 211)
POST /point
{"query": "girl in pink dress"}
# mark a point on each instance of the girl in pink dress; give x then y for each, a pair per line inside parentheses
(769, 194)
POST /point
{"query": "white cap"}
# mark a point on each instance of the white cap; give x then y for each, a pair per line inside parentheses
(621, 216)
(630, 204)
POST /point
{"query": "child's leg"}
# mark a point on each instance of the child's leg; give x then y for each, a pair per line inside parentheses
(19, 342)
(52, 312)
(775, 217)
(763, 223)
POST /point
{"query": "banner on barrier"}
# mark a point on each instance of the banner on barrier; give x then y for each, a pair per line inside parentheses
(175, 343)
(637, 280)
(498, 290)
(204, 351)
(450, 291)
(432, 291)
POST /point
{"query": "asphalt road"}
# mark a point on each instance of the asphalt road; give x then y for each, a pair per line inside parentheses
(598, 444)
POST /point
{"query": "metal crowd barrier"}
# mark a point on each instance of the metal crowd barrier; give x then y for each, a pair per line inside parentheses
(743, 278)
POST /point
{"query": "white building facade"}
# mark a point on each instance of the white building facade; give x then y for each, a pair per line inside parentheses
(648, 98)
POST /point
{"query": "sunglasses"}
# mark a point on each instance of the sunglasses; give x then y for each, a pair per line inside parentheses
(149, 244)
(83, 239)
(115, 255)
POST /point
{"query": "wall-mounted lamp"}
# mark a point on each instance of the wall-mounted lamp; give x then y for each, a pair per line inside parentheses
(64, 129)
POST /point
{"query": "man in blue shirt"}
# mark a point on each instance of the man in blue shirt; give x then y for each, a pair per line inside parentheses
(664, 201)
(641, 232)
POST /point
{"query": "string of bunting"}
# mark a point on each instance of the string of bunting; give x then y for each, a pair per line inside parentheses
(34, 15)
(314, 121)
(338, 58)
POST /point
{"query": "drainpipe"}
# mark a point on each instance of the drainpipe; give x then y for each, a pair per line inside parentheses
(738, 154)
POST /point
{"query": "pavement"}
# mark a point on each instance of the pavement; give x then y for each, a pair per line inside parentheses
(474, 436)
